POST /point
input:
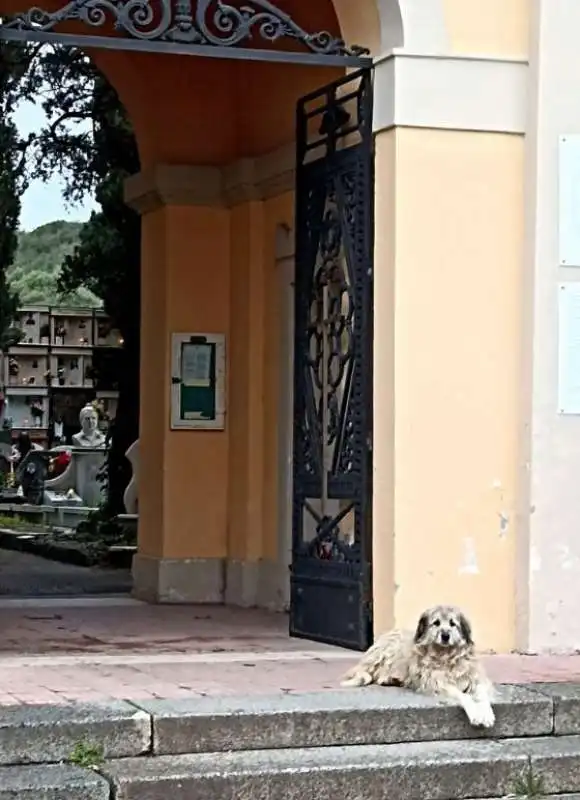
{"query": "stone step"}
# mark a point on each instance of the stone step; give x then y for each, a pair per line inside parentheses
(373, 715)
(50, 734)
(52, 782)
(44, 734)
(452, 770)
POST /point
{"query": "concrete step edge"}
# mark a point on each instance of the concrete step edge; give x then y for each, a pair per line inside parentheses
(50, 781)
(49, 734)
(362, 716)
(52, 734)
(451, 770)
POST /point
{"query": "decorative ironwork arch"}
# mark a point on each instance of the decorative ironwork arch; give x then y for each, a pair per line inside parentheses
(213, 28)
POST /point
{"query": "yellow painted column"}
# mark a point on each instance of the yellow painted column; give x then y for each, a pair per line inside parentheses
(183, 479)
(207, 499)
(247, 400)
(258, 193)
(448, 289)
(448, 506)
(384, 388)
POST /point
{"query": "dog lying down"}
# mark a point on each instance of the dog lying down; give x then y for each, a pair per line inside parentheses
(438, 659)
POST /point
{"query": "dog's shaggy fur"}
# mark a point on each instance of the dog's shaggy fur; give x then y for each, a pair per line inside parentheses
(438, 659)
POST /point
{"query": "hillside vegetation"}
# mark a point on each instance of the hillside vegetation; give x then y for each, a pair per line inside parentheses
(37, 265)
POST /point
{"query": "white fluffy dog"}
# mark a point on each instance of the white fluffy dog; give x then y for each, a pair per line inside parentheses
(438, 659)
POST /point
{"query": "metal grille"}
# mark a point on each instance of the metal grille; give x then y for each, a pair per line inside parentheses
(215, 28)
(331, 592)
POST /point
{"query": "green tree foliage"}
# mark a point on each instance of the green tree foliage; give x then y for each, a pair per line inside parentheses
(37, 266)
(11, 188)
(89, 142)
(107, 259)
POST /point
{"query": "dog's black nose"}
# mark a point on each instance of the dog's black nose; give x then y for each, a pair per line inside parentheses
(445, 637)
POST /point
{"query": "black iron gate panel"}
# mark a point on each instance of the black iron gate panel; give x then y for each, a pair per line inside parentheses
(331, 589)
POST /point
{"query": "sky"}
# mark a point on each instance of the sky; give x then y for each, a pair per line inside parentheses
(43, 202)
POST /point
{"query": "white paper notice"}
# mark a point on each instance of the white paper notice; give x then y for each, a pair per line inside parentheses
(569, 348)
(196, 365)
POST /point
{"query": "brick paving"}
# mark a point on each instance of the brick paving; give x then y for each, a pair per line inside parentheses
(62, 651)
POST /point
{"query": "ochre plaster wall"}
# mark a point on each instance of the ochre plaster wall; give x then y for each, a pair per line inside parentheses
(246, 403)
(384, 388)
(277, 211)
(254, 378)
(497, 28)
(219, 488)
(154, 368)
(451, 454)
(184, 479)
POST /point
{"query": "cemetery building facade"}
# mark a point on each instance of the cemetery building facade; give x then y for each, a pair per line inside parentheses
(49, 375)
(359, 309)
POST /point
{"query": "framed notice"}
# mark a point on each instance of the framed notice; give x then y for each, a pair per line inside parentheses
(569, 200)
(569, 347)
(198, 381)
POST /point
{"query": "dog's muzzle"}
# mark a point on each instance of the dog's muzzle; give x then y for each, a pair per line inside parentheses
(445, 637)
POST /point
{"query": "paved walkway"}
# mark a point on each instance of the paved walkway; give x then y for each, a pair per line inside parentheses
(27, 575)
(96, 649)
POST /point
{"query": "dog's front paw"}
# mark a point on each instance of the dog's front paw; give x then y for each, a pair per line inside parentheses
(481, 715)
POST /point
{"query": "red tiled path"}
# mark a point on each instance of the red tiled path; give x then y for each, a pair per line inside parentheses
(91, 650)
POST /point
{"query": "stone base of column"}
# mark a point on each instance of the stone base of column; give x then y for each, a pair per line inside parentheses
(176, 580)
(247, 584)
(257, 584)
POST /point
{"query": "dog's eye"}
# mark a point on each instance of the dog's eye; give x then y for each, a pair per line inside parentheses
(437, 622)
(452, 623)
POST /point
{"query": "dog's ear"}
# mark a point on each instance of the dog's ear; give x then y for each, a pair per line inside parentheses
(422, 626)
(465, 627)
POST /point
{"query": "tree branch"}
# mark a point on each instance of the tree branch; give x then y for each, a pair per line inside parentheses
(65, 117)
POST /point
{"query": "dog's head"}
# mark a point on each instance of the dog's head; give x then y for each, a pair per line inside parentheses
(443, 627)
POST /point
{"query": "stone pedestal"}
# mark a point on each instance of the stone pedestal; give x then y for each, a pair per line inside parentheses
(81, 475)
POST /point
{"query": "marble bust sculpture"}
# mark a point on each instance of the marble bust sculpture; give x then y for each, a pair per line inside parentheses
(89, 434)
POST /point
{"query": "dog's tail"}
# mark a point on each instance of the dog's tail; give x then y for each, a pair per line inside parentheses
(357, 676)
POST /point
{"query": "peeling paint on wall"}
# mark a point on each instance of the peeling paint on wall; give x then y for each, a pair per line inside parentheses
(504, 524)
(469, 565)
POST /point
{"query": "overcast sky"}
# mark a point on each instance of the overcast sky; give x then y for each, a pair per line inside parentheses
(43, 202)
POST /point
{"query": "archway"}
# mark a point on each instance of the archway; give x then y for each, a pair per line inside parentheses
(216, 140)
(223, 186)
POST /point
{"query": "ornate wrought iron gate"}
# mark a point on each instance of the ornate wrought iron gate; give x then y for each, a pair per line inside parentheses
(331, 598)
